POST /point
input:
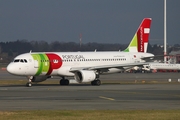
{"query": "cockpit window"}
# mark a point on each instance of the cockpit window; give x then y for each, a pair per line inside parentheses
(20, 60)
(16, 60)
(25, 60)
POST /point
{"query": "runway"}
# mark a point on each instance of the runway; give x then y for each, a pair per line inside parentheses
(86, 97)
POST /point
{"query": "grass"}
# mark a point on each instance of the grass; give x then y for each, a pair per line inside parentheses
(91, 115)
(13, 82)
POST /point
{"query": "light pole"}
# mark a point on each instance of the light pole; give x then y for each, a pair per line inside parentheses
(165, 49)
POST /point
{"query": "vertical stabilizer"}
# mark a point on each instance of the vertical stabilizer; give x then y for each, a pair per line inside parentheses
(139, 43)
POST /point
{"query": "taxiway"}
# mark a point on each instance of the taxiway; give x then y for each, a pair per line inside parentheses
(87, 97)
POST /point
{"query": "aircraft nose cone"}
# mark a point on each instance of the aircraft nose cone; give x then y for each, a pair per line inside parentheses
(10, 68)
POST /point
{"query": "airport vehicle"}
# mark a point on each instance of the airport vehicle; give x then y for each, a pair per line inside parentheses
(83, 66)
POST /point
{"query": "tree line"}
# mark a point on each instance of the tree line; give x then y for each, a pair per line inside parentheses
(14, 48)
(22, 46)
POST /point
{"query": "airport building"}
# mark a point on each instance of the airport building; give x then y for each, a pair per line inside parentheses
(174, 56)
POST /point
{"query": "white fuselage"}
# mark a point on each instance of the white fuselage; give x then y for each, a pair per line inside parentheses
(61, 63)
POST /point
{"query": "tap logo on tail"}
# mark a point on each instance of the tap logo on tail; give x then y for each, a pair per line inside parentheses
(139, 43)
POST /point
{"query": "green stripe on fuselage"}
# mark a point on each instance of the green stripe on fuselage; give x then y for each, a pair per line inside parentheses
(43, 63)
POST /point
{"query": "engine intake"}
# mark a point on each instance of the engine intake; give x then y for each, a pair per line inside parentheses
(85, 76)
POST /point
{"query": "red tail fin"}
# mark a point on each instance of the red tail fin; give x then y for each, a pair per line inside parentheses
(139, 43)
(143, 35)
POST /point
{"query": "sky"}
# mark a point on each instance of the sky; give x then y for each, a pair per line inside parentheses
(101, 21)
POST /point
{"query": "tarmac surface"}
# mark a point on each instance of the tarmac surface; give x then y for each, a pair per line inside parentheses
(158, 96)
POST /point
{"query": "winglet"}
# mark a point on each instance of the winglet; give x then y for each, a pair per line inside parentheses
(139, 43)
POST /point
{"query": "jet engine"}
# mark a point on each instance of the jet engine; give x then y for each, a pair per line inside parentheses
(85, 76)
(39, 78)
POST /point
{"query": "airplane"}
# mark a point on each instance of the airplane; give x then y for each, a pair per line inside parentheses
(161, 66)
(83, 66)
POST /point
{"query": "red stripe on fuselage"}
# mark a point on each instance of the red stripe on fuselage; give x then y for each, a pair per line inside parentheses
(55, 62)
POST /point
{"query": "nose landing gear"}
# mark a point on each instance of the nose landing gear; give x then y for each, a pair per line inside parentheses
(29, 83)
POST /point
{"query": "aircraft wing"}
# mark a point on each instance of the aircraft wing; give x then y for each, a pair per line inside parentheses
(151, 58)
(102, 67)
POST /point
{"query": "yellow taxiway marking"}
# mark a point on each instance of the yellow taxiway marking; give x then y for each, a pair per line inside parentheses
(106, 98)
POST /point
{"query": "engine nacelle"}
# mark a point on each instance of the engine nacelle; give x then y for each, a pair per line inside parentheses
(39, 78)
(85, 76)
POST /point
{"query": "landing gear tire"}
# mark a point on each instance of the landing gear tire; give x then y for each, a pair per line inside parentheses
(64, 82)
(28, 84)
(96, 82)
(92, 83)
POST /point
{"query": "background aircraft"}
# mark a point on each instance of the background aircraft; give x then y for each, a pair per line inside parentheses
(161, 66)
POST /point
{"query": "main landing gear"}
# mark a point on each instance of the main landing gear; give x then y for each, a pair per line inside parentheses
(64, 81)
(96, 82)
